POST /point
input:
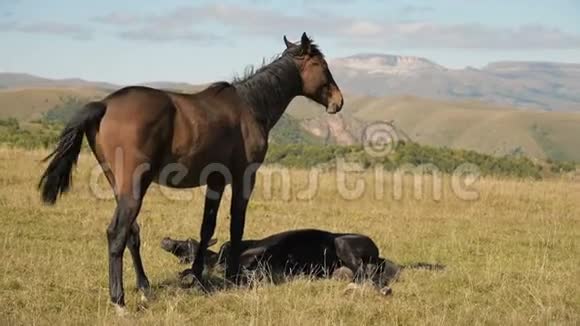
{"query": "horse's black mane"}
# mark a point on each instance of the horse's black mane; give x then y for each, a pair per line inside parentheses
(269, 88)
(296, 51)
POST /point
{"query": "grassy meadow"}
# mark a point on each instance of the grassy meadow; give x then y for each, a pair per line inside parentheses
(512, 255)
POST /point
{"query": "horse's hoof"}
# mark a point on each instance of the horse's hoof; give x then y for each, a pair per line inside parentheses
(121, 311)
(386, 291)
(143, 303)
(188, 279)
(343, 274)
(186, 272)
(144, 299)
(146, 296)
(351, 287)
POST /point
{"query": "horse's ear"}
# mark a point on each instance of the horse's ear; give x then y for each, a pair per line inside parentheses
(212, 242)
(305, 43)
(288, 43)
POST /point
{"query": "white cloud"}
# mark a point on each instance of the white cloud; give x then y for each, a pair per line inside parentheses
(418, 34)
(75, 31)
(364, 28)
(169, 35)
(416, 9)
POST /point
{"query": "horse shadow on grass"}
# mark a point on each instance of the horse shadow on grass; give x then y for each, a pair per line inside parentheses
(213, 282)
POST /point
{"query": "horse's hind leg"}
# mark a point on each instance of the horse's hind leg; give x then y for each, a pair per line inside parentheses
(122, 231)
(117, 235)
(134, 244)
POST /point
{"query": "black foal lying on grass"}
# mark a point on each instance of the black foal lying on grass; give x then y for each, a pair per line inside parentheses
(312, 252)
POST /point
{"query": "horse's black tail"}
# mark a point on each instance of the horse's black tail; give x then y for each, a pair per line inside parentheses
(56, 179)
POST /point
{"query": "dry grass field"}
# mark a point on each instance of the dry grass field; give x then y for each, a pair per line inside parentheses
(512, 256)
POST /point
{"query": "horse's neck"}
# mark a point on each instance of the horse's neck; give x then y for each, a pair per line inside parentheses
(272, 112)
(270, 91)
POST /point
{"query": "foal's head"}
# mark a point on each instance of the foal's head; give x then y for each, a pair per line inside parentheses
(185, 250)
(317, 82)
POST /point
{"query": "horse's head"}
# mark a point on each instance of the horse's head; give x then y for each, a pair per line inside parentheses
(317, 81)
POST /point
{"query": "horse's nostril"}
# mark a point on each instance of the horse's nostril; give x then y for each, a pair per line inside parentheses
(167, 244)
(336, 107)
(332, 108)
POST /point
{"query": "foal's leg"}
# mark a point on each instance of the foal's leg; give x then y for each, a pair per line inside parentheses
(347, 256)
(134, 244)
(213, 196)
(241, 191)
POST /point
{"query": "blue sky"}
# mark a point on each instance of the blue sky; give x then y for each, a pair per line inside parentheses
(200, 41)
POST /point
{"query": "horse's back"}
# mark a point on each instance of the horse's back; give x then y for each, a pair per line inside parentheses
(163, 128)
(142, 104)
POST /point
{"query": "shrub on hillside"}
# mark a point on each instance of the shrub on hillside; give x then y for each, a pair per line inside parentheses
(304, 155)
(444, 159)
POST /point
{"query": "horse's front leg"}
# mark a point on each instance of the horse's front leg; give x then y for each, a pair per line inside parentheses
(241, 191)
(213, 196)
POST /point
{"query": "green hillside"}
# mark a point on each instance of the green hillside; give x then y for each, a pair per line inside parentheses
(31, 103)
(293, 149)
(467, 125)
(456, 124)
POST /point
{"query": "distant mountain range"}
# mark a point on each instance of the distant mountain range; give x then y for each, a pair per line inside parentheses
(545, 86)
(536, 85)
(19, 80)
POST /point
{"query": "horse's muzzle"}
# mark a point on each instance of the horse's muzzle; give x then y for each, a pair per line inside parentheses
(168, 244)
(334, 107)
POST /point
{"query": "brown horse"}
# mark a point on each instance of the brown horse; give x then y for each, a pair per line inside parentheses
(215, 137)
